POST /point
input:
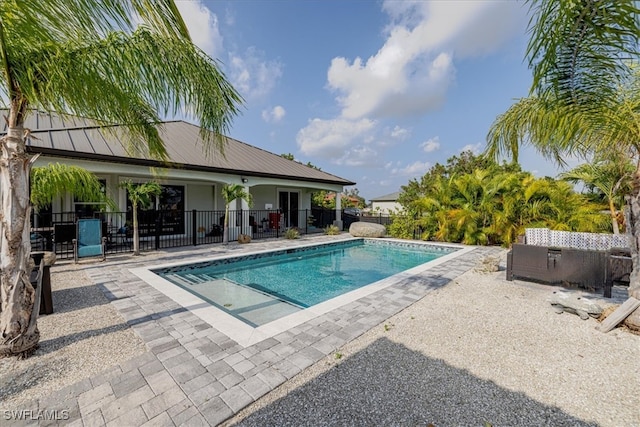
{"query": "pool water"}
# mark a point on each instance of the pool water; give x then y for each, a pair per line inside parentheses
(260, 288)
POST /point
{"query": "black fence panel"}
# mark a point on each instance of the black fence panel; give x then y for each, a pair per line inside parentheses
(171, 229)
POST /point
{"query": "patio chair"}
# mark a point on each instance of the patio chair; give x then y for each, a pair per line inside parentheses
(63, 233)
(90, 241)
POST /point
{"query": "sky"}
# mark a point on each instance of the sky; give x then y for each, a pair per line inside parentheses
(375, 92)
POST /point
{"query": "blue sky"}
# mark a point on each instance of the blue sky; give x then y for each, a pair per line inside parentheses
(372, 91)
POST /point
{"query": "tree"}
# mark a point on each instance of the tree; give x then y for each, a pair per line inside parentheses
(230, 193)
(141, 196)
(611, 178)
(585, 96)
(55, 180)
(466, 163)
(494, 206)
(122, 62)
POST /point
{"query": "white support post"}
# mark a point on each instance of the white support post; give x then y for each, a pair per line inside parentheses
(338, 221)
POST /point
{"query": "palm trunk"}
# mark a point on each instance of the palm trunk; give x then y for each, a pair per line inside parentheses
(225, 228)
(634, 226)
(614, 218)
(17, 295)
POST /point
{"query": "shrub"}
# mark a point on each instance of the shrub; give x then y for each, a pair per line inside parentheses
(292, 233)
(331, 230)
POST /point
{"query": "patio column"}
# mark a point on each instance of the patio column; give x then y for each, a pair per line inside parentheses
(246, 226)
(338, 220)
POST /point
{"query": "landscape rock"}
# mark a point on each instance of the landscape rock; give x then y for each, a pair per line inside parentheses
(367, 229)
(633, 320)
(489, 264)
(244, 238)
(575, 304)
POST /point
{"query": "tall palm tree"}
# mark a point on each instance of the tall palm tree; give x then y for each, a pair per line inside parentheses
(141, 196)
(585, 95)
(230, 193)
(115, 61)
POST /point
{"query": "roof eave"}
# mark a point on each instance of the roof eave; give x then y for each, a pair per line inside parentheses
(157, 163)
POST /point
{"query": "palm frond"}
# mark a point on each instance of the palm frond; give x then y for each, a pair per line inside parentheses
(54, 180)
(578, 49)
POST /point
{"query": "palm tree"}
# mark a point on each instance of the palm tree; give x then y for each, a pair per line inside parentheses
(125, 62)
(141, 196)
(610, 177)
(55, 180)
(230, 193)
(585, 96)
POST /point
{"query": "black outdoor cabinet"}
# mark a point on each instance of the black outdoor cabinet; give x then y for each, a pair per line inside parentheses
(46, 301)
(568, 266)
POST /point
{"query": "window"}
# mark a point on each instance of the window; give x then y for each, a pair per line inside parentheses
(90, 209)
(166, 212)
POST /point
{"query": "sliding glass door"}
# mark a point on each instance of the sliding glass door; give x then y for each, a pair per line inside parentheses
(288, 202)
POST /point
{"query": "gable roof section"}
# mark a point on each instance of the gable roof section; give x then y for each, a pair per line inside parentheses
(80, 138)
(387, 198)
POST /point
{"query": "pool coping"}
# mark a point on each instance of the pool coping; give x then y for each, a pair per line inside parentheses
(246, 335)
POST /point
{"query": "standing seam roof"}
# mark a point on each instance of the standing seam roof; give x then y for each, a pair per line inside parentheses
(72, 136)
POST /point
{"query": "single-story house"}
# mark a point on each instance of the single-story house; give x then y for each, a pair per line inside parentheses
(191, 179)
(386, 204)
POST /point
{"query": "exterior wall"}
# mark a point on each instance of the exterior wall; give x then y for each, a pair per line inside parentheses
(201, 197)
(202, 189)
(385, 207)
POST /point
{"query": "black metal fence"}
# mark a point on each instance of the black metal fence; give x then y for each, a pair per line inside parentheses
(169, 229)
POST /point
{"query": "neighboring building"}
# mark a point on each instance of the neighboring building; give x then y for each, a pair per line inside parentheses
(386, 204)
(344, 199)
(191, 179)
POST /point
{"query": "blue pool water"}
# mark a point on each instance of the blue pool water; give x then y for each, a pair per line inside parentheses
(284, 281)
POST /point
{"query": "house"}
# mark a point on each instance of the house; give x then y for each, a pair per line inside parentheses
(191, 179)
(386, 204)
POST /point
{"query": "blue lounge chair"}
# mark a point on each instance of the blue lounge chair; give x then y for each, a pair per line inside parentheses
(90, 241)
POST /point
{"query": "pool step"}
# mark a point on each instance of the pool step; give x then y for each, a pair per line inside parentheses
(181, 280)
(191, 279)
(195, 278)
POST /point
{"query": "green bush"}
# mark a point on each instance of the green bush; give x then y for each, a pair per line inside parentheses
(292, 233)
(331, 230)
(402, 227)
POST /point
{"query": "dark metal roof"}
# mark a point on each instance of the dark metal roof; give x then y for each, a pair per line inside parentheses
(76, 137)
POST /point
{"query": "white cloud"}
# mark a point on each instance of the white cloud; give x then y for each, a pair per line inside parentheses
(274, 115)
(332, 139)
(430, 145)
(413, 170)
(400, 133)
(358, 156)
(252, 75)
(202, 25)
(411, 73)
(474, 148)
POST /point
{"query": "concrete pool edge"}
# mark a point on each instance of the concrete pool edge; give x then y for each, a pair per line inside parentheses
(246, 335)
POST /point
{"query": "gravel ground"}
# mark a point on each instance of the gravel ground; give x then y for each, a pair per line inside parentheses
(480, 350)
(84, 336)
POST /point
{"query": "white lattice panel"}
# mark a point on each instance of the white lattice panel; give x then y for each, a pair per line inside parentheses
(572, 239)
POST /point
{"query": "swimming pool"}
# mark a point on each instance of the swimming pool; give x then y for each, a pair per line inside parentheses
(265, 292)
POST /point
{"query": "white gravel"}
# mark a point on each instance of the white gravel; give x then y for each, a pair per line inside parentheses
(84, 336)
(479, 350)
